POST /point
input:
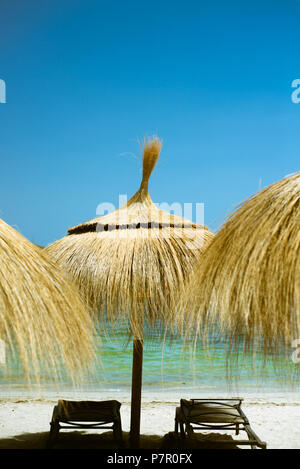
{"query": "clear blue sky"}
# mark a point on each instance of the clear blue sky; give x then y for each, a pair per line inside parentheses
(86, 78)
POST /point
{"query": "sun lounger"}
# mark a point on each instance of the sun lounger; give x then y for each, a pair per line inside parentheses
(215, 414)
(86, 415)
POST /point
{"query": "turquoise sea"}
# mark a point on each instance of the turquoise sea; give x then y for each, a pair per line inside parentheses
(169, 371)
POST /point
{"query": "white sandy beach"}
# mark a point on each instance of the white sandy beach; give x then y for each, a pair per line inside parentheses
(25, 423)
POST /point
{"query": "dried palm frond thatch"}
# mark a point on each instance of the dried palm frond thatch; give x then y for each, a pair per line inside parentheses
(248, 281)
(41, 312)
(131, 263)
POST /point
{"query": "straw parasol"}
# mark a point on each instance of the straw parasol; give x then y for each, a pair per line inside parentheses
(248, 281)
(130, 265)
(41, 313)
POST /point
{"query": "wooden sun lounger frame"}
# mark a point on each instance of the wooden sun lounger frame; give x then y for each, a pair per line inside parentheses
(188, 426)
(86, 415)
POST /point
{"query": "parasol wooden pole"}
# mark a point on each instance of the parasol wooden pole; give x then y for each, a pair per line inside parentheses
(136, 393)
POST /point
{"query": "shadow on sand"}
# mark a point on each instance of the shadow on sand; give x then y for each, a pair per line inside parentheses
(83, 440)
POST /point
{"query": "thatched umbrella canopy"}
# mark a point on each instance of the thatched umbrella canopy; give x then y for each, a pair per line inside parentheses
(130, 265)
(41, 312)
(248, 281)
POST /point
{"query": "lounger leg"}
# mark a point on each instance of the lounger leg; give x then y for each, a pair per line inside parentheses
(53, 434)
(179, 422)
(117, 431)
(237, 429)
(54, 429)
(252, 435)
(182, 430)
(189, 430)
(176, 426)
